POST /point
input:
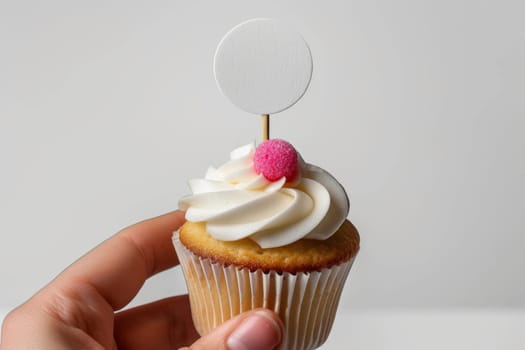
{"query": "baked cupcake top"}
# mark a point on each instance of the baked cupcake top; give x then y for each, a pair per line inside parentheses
(302, 256)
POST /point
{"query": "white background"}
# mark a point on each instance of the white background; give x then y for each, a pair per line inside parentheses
(417, 107)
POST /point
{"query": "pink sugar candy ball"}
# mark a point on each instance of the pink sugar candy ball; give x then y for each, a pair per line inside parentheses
(276, 158)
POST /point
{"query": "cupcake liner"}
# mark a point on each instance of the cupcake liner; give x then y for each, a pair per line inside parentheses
(306, 302)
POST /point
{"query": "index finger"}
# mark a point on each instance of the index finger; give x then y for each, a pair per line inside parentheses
(119, 266)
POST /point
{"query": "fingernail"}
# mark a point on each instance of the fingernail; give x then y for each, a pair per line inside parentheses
(257, 332)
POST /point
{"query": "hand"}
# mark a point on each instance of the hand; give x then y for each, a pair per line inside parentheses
(77, 309)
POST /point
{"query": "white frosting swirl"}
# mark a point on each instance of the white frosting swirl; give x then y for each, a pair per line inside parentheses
(235, 203)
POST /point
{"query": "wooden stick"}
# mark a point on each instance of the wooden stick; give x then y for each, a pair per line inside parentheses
(265, 127)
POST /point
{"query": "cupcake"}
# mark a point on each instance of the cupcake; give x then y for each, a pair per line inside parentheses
(266, 229)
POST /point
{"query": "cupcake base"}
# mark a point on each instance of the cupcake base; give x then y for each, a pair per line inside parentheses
(305, 301)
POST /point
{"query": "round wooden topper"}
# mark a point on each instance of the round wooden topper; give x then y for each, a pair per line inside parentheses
(262, 66)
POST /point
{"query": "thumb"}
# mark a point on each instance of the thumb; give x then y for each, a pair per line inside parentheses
(259, 329)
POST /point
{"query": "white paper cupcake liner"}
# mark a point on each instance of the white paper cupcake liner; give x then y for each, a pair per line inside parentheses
(305, 301)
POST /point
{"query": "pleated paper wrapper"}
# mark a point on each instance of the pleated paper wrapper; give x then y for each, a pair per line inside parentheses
(306, 302)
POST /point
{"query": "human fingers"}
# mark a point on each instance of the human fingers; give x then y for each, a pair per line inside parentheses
(118, 267)
(259, 329)
(164, 324)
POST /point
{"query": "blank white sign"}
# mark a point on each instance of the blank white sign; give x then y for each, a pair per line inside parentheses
(263, 66)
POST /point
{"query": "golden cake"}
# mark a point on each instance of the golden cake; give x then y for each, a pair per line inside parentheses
(301, 256)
